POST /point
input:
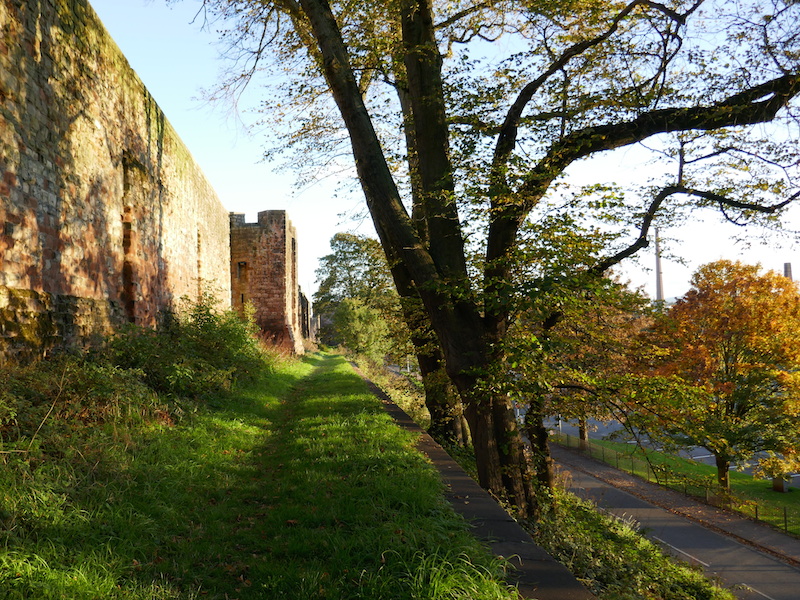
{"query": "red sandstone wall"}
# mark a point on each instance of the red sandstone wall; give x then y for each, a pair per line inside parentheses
(99, 199)
(264, 273)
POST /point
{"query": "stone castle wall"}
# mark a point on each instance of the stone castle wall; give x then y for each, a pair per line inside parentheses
(104, 215)
(264, 273)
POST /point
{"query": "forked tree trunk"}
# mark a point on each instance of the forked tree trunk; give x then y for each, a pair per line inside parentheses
(438, 270)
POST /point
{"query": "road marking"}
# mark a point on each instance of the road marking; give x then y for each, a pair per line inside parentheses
(699, 456)
(694, 558)
(752, 589)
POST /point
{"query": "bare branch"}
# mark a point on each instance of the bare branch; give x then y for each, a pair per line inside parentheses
(723, 202)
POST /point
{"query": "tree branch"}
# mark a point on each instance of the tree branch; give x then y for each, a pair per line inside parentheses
(461, 14)
(758, 104)
(508, 132)
(723, 201)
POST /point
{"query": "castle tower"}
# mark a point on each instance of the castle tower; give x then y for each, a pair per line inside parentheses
(264, 273)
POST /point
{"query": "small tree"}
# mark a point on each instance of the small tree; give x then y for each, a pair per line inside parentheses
(357, 269)
(735, 338)
(362, 329)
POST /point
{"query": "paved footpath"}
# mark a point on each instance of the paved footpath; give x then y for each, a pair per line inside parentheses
(753, 559)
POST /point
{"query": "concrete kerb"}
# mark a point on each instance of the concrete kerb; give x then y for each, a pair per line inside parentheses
(536, 574)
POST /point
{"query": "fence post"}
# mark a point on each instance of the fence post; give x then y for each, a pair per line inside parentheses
(785, 520)
(756, 512)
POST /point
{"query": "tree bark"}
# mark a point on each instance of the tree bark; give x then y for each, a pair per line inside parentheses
(443, 403)
(448, 425)
(723, 471)
(540, 451)
(441, 398)
(430, 134)
(439, 273)
(583, 434)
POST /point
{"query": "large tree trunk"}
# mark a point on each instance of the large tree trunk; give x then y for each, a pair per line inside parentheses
(442, 402)
(496, 438)
(448, 425)
(516, 472)
(441, 397)
(439, 270)
(540, 451)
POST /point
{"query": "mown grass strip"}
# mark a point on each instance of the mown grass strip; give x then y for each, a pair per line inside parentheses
(298, 487)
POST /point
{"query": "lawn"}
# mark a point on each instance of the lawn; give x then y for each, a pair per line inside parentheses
(297, 487)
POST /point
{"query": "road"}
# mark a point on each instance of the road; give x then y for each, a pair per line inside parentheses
(749, 573)
(599, 430)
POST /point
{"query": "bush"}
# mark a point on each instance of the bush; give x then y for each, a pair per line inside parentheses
(198, 353)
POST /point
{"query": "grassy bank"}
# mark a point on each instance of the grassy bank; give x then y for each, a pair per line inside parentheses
(611, 558)
(294, 487)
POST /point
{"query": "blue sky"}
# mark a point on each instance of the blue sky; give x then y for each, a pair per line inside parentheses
(176, 59)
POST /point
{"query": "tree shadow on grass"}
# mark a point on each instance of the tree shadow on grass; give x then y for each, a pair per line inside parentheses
(305, 494)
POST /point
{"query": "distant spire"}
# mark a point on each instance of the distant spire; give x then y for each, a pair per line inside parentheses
(659, 281)
(787, 270)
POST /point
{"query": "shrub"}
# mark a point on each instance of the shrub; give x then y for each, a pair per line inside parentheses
(198, 353)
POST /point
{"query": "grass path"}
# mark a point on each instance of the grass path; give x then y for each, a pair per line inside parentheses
(300, 487)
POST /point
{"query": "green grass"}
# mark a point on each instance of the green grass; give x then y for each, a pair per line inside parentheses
(297, 487)
(612, 559)
(781, 510)
(615, 561)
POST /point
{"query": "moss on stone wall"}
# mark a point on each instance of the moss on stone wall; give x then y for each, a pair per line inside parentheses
(76, 125)
(34, 323)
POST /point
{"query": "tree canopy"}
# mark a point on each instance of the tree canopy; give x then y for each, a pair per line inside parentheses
(735, 338)
(463, 121)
